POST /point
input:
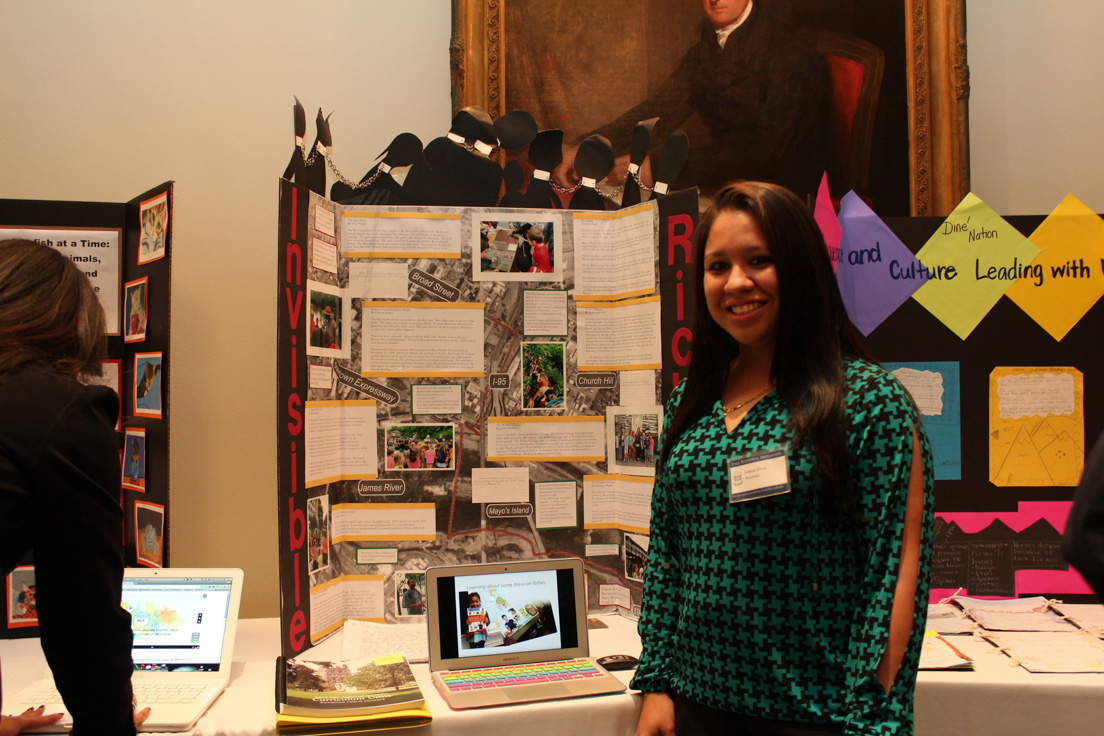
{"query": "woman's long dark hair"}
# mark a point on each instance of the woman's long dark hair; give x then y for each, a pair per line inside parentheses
(814, 331)
(50, 317)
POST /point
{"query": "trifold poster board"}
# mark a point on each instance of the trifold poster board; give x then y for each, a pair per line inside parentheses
(125, 249)
(465, 385)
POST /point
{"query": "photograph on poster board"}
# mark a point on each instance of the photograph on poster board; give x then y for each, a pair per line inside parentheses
(155, 227)
(135, 309)
(147, 385)
(543, 384)
(134, 460)
(516, 250)
(420, 447)
(328, 329)
(632, 433)
(318, 533)
(410, 593)
(22, 603)
(636, 556)
(149, 531)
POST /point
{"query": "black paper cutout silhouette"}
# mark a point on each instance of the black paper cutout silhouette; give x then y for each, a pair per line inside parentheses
(314, 173)
(515, 130)
(594, 160)
(638, 151)
(545, 154)
(453, 175)
(456, 170)
(404, 150)
(670, 162)
(296, 165)
(514, 179)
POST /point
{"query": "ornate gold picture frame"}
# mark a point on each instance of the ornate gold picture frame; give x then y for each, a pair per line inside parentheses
(936, 81)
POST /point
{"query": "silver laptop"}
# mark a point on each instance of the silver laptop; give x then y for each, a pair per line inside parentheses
(184, 621)
(512, 632)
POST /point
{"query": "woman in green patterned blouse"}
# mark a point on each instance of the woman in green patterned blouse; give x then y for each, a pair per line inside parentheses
(787, 575)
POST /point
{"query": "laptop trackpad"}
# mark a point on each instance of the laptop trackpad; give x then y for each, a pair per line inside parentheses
(537, 692)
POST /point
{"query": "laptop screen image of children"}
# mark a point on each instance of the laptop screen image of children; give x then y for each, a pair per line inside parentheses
(508, 615)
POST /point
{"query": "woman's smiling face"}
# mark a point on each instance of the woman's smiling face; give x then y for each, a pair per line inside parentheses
(741, 283)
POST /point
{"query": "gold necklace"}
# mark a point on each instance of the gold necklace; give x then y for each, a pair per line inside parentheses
(764, 392)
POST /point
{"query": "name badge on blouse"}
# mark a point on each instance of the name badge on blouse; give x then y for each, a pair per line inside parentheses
(759, 474)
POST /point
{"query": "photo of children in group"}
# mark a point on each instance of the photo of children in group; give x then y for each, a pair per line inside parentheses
(134, 310)
(633, 437)
(22, 604)
(509, 616)
(149, 529)
(410, 593)
(147, 384)
(636, 555)
(542, 365)
(154, 216)
(516, 247)
(318, 533)
(420, 447)
(134, 460)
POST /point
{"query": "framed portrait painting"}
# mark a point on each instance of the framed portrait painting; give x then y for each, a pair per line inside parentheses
(893, 74)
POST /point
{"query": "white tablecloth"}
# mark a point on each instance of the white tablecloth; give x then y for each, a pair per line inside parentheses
(994, 699)
(246, 708)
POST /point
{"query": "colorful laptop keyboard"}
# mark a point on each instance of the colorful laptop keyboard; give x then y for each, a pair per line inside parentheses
(520, 674)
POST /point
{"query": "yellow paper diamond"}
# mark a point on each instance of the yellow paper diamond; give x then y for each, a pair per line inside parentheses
(1067, 277)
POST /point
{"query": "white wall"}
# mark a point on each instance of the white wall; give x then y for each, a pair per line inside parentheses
(1037, 103)
(100, 101)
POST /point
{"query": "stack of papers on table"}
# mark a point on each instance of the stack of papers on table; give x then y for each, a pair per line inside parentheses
(1014, 614)
(944, 618)
(939, 654)
(1089, 617)
(1052, 651)
(1036, 634)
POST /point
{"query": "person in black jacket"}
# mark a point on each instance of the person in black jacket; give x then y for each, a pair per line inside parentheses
(753, 99)
(60, 495)
(1083, 543)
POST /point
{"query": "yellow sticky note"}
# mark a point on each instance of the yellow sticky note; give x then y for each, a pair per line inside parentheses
(1067, 277)
(388, 659)
(1036, 426)
(970, 262)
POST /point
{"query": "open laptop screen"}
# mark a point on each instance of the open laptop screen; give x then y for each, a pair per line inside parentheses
(179, 624)
(507, 612)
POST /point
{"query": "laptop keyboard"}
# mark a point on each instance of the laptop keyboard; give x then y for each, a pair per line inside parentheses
(149, 693)
(520, 674)
(146, 694)
(44, 695)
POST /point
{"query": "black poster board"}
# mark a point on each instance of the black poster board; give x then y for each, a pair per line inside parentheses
(145, 531)
(1007, 336)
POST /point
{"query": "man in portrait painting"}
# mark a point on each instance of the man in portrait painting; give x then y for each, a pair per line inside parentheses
(753, 99)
